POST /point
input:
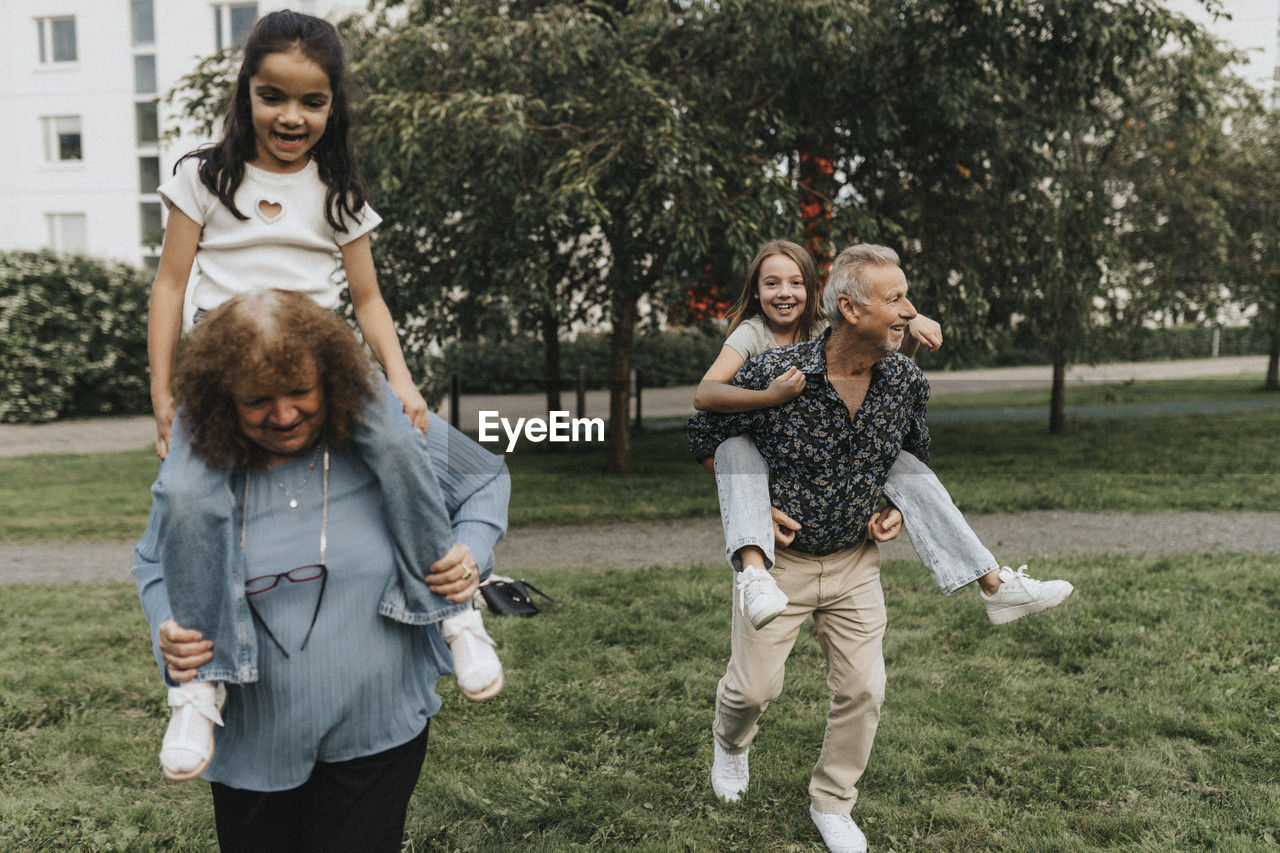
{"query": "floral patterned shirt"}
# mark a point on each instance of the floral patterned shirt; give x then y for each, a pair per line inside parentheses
(826, 469)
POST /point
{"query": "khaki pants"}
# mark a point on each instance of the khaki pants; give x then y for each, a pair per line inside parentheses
(842, 592)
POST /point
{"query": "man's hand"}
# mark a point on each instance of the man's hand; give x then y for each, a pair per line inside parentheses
(183, 650)
(885, 524)
(786, 386)
(455, 575)
(784, 527)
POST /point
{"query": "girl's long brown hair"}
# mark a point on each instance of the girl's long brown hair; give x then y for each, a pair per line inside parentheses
(747, 304)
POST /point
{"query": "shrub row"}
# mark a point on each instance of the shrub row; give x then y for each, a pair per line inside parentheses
(73, 343)
(516, 366)
(73, 337)
(1011, 350)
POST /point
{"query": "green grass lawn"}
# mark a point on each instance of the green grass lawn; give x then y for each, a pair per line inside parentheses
(1144, 715)
(1203, 462)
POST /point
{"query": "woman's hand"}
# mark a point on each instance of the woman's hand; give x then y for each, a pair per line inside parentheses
(885, 524)
(183, 650)
(455, 575)
(415, 406)
(787, 385)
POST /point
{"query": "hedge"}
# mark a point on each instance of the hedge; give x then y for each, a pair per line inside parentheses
(515, 366)
(73, 343)
(73, 337)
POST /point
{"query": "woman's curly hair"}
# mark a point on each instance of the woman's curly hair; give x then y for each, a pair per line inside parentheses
(267, 340)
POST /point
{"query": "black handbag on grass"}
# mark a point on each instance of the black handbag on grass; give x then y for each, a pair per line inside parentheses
(511, 597)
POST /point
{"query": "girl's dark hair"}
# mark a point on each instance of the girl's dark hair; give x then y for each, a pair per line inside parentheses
(222, 164)
(747, 305)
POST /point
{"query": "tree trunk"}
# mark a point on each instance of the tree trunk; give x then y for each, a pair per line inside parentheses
(1273, 362)
(551, 358)
(625, 311)
(1058, 397)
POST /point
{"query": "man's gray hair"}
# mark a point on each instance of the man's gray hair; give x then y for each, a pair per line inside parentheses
(847, 277)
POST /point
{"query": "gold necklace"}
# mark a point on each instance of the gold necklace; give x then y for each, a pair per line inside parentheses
(293, 496)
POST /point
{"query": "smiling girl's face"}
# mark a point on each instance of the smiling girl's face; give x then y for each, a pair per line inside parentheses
(780, 288)
(290, 104)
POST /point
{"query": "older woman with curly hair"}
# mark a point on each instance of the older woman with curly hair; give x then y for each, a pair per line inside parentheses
(322, 749)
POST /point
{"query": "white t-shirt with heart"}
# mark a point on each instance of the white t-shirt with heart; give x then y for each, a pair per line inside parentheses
(285, 243)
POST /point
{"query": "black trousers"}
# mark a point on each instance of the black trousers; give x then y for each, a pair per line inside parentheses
(356, 805)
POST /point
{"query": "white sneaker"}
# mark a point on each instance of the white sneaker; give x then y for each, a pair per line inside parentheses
(475, 656)
(761, 598)
(839, 832)
(729, 773)
(187, 747)
(1020, 595)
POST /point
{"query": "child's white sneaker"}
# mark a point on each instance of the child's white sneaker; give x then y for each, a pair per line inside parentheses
(1020, 595)
(475, 656)
(761, 598)
(187, 747)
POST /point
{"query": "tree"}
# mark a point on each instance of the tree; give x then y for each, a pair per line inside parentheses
(567, 159)
(1255, 223)
(1009, 167)
(543, 163)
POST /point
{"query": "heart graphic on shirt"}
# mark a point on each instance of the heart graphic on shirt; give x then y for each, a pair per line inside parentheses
(269, 211)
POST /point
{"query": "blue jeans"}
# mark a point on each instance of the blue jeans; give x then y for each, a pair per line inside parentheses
(198, 517)
(945, 543)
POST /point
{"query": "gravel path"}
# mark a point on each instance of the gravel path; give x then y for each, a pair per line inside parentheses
(1014, 539)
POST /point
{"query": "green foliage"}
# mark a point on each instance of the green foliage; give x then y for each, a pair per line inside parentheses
(540, 163)
(1141, 715)
(515, 365)
(1020, 347)
(1054, 173)
(73, 337)
(201, 98)
(1252, 197)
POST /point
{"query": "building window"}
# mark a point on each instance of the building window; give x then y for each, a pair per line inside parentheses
(144, 74)
(57, 39)
(232, 22)
(144, 23)
(66, 232)
(148, 175)
(61, 139)
(150, 223)
(147, 122)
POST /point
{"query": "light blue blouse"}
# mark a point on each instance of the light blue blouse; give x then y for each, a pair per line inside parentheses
(364, 683)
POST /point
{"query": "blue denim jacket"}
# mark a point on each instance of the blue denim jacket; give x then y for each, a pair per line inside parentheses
(188, 565)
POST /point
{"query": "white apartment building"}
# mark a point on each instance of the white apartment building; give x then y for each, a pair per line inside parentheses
(81, 114)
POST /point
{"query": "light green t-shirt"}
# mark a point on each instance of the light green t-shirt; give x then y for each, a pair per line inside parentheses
(752, 337)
